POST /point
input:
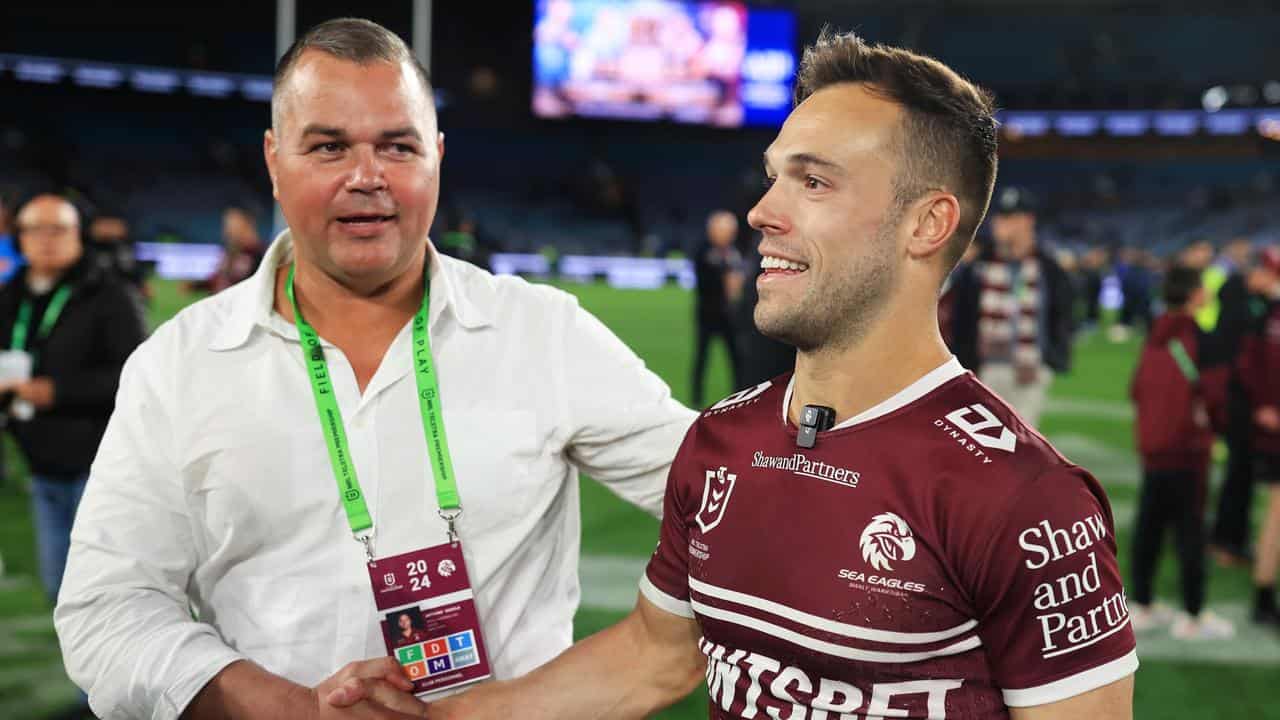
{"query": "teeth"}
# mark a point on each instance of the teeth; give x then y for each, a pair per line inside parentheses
(769, 262)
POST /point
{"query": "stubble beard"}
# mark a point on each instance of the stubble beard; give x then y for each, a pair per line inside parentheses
(837, 314)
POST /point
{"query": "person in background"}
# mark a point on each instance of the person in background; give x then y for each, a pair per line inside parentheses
(243, 250)
(949, 298)
(760, 357)
(1014, 309)
(1093, 266)
(1174, 439)
(76, 325)
(10, 258)
(717, 266)
(113, 248)
(1136, 284)
(72, 326)
(1226, 318)
(1259, 372)
(9, 261)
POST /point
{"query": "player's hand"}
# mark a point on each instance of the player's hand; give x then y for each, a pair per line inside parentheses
(374, 688)
(1268, 418)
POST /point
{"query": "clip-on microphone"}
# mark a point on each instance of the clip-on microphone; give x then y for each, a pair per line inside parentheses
(813, 420)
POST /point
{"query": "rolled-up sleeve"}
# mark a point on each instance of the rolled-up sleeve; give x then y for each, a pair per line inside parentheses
(625, 427)
(123, 616)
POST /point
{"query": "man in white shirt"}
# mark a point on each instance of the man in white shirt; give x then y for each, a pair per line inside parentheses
(213, 572)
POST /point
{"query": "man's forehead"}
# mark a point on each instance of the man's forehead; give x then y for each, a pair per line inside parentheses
(328, 91)
(840, 122)
(45, 208)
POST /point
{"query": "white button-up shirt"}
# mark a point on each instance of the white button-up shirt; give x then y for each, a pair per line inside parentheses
(211, 529)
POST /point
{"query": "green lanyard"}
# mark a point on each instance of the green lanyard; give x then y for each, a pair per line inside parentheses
(335, 435)
(22, 326)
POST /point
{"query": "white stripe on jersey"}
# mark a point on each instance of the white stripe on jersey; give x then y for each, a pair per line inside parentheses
(1078, 684)
(823, 646)
(653, 594)
(825, 625)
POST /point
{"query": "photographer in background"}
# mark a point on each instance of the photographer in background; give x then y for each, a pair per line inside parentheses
(69, 327)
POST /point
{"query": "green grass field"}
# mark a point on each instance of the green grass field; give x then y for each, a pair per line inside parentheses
(1089, 419)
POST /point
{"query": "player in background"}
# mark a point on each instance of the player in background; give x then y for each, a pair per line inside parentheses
(1259, 370)
(929, 556)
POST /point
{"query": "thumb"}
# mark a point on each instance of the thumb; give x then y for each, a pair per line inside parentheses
(347, 694)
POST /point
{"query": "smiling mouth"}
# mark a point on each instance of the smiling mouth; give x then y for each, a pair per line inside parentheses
(358, 220)
(776, 265)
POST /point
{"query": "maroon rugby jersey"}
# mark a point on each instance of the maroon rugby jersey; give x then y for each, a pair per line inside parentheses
(932, 558)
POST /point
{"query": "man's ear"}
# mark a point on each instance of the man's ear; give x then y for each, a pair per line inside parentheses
(269, 149)
(933, 220)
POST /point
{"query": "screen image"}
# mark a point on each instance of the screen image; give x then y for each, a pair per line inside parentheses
(708, 63)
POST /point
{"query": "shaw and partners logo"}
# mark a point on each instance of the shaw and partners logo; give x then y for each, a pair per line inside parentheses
(715, 497)
(1077, 602)
(887, 538)
(800, 464)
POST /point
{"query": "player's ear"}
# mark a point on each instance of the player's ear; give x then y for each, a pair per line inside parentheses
(930, 222)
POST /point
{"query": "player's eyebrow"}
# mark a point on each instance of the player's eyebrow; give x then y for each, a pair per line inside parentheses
(813, 159)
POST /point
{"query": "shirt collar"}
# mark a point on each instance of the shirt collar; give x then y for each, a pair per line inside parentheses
(467, 295)
(931, 381)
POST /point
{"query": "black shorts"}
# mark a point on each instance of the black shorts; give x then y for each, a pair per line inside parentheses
(1266, 468)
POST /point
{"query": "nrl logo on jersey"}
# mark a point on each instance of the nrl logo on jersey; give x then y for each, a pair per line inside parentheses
(716, 492)
(739, 398)
(887, 538)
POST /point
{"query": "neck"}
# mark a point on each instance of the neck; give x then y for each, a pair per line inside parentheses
(329, 304)
(895, 352)
(44, 276)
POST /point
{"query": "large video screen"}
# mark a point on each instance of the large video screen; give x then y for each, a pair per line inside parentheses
(710, 63)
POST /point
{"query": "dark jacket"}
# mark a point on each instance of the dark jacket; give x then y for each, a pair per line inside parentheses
(1235, 321)
(98, 328)
(1172, 425)
(710, 266)
(1259, 372)
(1056, 293)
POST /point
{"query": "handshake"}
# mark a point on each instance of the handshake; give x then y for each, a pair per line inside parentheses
(379, 689)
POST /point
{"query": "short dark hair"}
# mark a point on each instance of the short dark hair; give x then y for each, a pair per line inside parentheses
(1180, 283)
(948, 135)
(249, 213)
(359, 41)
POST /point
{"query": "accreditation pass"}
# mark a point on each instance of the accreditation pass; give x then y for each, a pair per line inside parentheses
(428, 615)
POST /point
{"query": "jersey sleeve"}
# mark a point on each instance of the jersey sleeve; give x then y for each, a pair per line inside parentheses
(666, 579)
(1052, 611)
